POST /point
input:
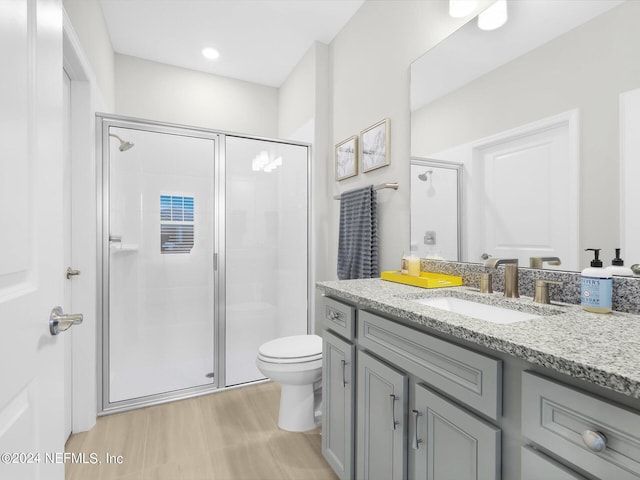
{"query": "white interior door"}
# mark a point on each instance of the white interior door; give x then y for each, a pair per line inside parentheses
(537, 214)
(31, 268)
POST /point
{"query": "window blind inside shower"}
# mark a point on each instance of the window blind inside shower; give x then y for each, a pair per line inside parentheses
(177, 224)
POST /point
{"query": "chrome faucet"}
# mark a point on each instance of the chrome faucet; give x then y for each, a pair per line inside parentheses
(536, 262)
(510, 274)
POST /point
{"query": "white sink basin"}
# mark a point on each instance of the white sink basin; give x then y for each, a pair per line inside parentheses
(479, 311)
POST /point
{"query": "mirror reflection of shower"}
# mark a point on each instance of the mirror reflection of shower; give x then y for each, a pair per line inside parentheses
(427, 176)
(436, 208)
(124, 144)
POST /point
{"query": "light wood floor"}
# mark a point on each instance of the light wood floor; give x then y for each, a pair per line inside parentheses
(230, 435)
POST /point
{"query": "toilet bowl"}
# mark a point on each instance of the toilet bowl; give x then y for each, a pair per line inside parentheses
(296, 364)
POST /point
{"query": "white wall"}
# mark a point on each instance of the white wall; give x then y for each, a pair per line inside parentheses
(297, 95)
(587, 68)
(171, 94)
(304, 116)
(370, 81)
(89, 24)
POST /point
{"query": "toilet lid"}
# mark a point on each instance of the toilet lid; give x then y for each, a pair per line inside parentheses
(303, 347)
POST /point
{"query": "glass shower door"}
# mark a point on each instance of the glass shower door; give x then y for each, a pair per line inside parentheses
(266, 260)
(160, 335)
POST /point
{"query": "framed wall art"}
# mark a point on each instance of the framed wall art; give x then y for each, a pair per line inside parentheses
(375, 146)
(347, 158)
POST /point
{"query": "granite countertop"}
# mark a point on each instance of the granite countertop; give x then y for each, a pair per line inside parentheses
(603, 349)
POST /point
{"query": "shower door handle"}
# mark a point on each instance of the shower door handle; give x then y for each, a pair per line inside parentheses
(59, 321)
(72, 272)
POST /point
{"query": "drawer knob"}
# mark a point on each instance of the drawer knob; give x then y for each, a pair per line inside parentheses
(595, 441)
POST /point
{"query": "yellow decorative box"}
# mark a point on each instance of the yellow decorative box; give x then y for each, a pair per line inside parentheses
(425, 280)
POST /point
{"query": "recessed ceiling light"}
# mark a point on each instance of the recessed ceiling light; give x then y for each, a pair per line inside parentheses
(210, 53)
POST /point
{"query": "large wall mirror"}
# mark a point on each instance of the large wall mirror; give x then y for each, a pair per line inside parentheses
(532, 111)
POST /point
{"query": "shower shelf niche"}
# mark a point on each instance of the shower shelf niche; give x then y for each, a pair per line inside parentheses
(125, 247)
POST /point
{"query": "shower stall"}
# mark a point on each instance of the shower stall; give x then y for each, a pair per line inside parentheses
(204, 239)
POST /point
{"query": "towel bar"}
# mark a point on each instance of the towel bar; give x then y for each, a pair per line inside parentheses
(377, 187)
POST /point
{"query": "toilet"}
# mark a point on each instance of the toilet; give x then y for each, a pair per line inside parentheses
(296, 364)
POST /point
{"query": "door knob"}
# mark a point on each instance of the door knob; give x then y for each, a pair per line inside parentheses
(59, 321)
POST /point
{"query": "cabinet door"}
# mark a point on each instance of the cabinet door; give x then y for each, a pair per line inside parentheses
(537, 466)
(448, 442)
(338, 374)
(382, 420)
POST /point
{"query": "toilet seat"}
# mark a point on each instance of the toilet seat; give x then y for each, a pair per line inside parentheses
(293, 349)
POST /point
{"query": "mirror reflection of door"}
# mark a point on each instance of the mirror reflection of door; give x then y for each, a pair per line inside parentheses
(522, 200)
(525, 201)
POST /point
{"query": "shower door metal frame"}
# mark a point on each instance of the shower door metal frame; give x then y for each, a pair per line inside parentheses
(103, 122)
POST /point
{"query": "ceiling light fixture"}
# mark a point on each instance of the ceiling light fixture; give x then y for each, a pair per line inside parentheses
(210, 53)
(461, 8)
(493, 17)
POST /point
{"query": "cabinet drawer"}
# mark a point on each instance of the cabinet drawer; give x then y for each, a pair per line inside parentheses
(537, 466)
(340, 318)
(467, 376)
(555, 416)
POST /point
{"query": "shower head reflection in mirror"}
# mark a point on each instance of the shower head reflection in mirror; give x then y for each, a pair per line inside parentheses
(124, 144)
(424, 176)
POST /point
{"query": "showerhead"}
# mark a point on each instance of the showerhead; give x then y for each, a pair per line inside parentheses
(124, 144)
(425, 175)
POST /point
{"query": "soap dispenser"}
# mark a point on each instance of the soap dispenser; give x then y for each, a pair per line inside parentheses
(596, 286)
(617, 267)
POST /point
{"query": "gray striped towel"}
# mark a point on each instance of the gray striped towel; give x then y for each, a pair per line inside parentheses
(358, 238)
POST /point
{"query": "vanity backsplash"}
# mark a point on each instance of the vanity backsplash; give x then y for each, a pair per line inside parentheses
(626, 290)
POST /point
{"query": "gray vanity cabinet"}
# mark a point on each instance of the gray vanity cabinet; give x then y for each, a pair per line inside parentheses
(382, 420)
(427, 407)
(338, 378)
(537, 466)
(448, 442)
